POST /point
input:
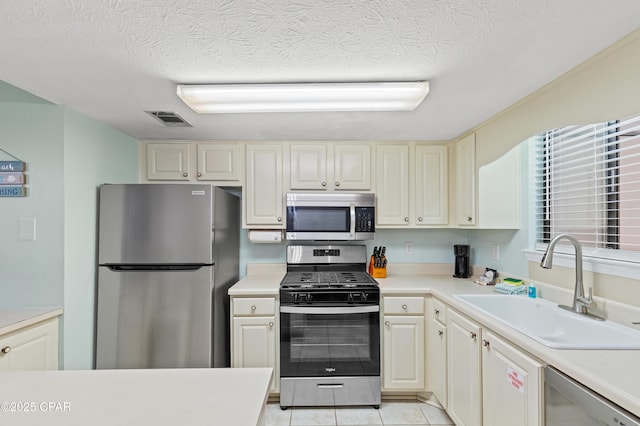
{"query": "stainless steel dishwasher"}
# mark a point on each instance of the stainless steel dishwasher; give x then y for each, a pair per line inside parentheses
(569, 403)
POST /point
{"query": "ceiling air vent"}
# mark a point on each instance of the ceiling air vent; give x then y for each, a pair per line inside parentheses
(169, 118)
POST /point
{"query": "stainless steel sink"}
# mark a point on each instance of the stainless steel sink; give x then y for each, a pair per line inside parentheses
(557, 328)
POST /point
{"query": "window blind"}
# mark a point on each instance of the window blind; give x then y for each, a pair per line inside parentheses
(587, 184)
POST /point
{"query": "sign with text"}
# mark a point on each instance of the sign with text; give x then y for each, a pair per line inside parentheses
(11, 166)
(11, 191)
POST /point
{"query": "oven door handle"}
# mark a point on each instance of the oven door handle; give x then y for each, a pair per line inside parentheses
(329, 310)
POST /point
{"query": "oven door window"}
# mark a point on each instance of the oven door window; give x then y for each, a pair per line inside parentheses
(324, 345)
(318, 219)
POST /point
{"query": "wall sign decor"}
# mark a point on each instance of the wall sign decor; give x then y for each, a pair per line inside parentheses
(12, 177)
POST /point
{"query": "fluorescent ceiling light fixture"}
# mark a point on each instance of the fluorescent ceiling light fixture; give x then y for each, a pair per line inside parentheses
(294, 97)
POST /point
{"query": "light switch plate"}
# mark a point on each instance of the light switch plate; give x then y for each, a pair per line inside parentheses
(27, 228)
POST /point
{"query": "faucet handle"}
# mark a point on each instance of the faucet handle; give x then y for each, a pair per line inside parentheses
(586, 301)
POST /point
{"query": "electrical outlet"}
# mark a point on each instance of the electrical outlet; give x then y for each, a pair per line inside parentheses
(408, 247)
(495, 252)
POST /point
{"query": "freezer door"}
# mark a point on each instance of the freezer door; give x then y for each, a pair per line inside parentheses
(154, 319)
(155, 224)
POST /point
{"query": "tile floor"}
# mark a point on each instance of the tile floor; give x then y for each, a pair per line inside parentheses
(390, 413)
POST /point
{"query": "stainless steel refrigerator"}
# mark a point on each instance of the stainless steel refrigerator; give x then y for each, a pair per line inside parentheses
(167, 254)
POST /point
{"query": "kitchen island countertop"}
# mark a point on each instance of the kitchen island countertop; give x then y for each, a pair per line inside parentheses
(191, 396)
(611, 373)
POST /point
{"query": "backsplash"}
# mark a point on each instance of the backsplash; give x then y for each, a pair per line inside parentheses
(429, 246)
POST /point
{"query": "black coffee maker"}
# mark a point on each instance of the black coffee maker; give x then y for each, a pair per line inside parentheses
(462, 269)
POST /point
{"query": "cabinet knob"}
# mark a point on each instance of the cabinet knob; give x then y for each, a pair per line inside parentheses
(387, 323)
(253, 307)
(406, 219)
(472, 335)
(437, 311)
(324, 183)
(279, 219)
(440, 332)
(404, 307)
(6, 349)
(420, 219)
(485, 343)
(337, 183)
(270, 325)
(469, 218)
(199, 174)
(185, 174)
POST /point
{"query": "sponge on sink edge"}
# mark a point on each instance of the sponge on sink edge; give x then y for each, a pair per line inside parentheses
(512, 281)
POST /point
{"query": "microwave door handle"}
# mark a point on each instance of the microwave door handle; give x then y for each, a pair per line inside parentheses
(352, 211)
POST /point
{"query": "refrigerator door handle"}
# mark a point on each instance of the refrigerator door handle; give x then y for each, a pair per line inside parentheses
(130, 268)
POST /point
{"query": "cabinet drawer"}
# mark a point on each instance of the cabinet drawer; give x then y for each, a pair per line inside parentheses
(404, 305)
(439, 311)
(254, 306)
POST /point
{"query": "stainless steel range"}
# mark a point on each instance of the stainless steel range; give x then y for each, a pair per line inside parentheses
(329, 328)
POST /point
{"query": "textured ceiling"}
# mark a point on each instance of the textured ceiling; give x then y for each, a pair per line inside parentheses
(113, 59)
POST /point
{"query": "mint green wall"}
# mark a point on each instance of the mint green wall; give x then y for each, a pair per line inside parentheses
(32, 272)
(93, 154)
(429, 246)
(67, 156)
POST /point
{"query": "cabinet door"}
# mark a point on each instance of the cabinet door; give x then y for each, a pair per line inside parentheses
(32, 348)
(437, 360)
(464, 399)
(466, 181)
(254, 344)
(512, 385)
(432, 187)
(392, 185)
(264, 199)
(309, 167)
(168, 161)
(219, 162)
(352, 167)
(403, 343)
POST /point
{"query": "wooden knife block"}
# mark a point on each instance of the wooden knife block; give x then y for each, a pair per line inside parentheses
(377, 272)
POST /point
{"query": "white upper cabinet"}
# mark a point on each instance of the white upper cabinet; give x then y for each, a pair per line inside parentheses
(335, 167)
(308, 167)
(432, 185)
(392, 185)
(219, 162)
(466, 181)
(263, 198)
(168, 161)
(352, 167)
(412, 185)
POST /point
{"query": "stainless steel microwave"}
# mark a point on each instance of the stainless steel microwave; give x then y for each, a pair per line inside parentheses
(334, 216)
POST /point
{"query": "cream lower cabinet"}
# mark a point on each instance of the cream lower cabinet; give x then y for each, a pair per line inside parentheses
(511, 386)
(31, 348)
(436, 379)
(464, 370)
(254, 336)
(403, 343)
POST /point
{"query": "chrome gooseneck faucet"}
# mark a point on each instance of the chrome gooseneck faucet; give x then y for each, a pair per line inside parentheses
(580, 302)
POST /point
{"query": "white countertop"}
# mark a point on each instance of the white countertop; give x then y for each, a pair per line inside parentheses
(193, 396)
(615, 374)
(12, 319)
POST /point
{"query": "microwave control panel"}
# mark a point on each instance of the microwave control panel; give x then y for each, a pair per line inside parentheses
(365, 219)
